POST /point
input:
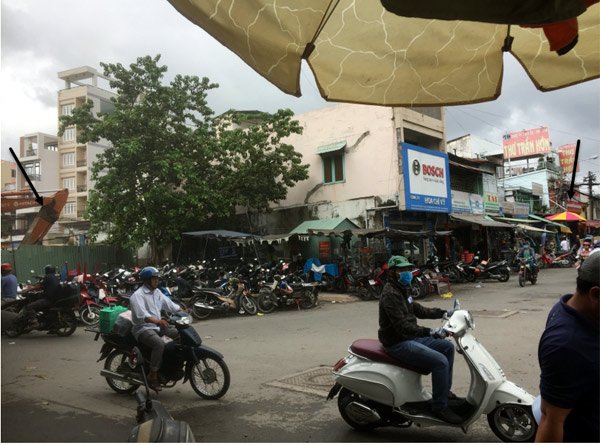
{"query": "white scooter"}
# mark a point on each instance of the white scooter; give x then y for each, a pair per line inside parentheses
(376, 390)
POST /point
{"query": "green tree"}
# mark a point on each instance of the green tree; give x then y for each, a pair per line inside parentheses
(171, 162)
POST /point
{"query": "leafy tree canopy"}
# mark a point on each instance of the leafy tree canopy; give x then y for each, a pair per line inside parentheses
(171, 162)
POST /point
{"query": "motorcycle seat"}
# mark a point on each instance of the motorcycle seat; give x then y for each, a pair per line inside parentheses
(373, 350)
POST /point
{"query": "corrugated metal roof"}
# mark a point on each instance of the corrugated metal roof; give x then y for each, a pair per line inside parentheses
(321, 224)
(479, 219)
(330, 147)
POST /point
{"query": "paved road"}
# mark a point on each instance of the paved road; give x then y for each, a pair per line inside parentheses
(52, 390)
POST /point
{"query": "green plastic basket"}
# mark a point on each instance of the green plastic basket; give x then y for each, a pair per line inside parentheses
(108, 316)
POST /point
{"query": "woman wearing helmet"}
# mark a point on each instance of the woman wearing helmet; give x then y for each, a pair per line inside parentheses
(405, 340)
(9, 283)
(148, 327)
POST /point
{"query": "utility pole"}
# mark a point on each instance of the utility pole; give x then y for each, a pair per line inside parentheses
(589, 179)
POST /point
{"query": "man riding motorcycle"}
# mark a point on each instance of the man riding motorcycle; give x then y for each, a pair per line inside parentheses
(528, 254)
(52, 292)
(148, 327)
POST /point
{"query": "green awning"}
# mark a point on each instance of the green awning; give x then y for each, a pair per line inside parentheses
(330, 224)
(547, 221)
(322, 149)
(515, 220)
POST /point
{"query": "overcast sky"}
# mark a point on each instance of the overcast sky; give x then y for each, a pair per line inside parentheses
(43, 37)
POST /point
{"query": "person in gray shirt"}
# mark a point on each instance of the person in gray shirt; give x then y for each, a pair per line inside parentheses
(148, 328)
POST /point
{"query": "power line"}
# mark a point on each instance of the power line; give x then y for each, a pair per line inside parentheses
(528, 123)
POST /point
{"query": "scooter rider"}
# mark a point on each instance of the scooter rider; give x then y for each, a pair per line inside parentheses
(51, 287)
(405, 340)
(148, 327)
(528, 254)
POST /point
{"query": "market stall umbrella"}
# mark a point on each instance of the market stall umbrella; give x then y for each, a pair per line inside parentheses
(361, 53)
(566, 216)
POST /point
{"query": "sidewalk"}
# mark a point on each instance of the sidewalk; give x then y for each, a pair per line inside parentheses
(331, 297)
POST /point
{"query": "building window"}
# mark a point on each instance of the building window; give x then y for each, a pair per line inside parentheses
(68, 159)
(67, 110)
(32, 168)
(69, 135)
(69, 183)
(333, 167)
(13, 173)
(70, 208)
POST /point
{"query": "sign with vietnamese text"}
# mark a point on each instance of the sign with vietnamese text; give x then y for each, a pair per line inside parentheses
(566, 156)
(426, 181)
(527, 143)
(573, 206)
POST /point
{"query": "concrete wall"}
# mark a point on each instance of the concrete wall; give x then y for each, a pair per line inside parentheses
(370, 158)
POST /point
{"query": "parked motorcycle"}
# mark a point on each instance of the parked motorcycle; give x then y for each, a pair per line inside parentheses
(527, 272)
(497, 270)
(237, 299)
(281, 293)
(549, 259)
(57, 319)
(376, 390)
(187, 359)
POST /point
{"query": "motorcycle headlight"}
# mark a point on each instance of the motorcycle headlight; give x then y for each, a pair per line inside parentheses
(184, 321)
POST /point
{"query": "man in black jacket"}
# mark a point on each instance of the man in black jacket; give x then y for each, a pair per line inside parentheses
(405, 340)
(51, 287)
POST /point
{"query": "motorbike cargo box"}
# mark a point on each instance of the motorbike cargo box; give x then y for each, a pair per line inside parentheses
(123, 324)
(108, 316)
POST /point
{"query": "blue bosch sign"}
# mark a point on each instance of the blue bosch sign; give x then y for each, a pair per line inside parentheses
(426, 179)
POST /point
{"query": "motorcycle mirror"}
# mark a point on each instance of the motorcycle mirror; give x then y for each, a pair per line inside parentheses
(456, 304)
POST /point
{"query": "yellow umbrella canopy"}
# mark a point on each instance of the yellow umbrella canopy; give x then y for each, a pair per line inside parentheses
(361, 53)
(566, 216)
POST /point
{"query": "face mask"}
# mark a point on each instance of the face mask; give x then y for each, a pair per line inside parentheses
(405, 278)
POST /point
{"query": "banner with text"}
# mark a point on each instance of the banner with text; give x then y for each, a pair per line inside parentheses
(426, 181)
(566, 156)
(527, 143)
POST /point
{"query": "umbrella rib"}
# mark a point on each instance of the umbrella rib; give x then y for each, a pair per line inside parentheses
(310, 46)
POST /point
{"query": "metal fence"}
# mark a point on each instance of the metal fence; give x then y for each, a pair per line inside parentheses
(91, 258)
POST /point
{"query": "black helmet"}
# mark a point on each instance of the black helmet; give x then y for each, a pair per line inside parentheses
(49, 269)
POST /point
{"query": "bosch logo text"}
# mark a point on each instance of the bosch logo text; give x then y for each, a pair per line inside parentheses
(432, 170)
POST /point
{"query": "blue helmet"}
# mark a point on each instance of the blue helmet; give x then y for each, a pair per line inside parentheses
(148, 272)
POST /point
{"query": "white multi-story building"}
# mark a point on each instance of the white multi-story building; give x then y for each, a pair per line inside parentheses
(75, 158)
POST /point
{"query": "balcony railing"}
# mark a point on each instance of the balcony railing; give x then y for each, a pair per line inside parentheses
(30, 152)
(82, 188)
(81, 163)
(34, 177)
(80, 213)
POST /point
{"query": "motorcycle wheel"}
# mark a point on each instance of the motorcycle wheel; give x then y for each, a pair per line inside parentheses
(521, 280)
(90, 315)
(533, 279)
(210, 377)
(504, 275)
(113, 362)
(471, 277)
(513, 423)
(415, 290)
(249, 304)
(67, 324)
(198, 312)
(266, 302)
(309, 299)
(347, 397)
